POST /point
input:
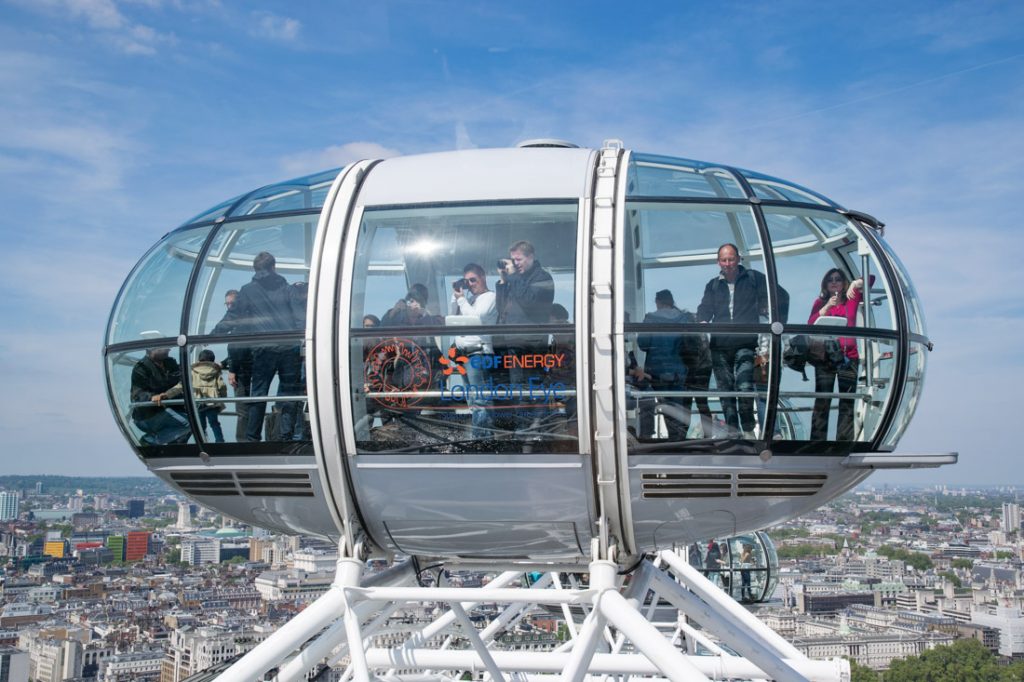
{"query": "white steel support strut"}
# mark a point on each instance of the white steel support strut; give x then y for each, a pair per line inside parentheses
(373, 630)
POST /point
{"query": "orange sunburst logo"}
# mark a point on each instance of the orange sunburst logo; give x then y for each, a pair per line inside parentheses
(454, 362)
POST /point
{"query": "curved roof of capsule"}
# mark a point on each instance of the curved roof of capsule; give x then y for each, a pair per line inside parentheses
(518, 172)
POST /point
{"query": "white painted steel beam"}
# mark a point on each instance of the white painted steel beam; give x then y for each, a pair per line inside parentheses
(713, 667)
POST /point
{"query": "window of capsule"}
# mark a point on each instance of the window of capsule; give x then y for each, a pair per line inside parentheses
(462, 329)
(250, 287)
(690, 264)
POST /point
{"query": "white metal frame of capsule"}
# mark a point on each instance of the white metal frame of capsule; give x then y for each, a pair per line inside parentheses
(521, 505)
(616, 629)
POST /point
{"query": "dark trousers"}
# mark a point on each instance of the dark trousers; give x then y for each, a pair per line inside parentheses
(284, 361)
(242, 390)
(699, 379)
(675, 424)
(824, 381)
(734, 371)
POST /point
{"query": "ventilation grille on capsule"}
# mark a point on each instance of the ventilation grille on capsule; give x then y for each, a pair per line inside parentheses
(673, 485)
(248, 483)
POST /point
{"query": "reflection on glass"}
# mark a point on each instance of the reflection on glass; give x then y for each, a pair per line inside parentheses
(767, 187)
(150, 305)
(911, 393)
(652, 176)
(852, 378)
(811, 246)
(250, 391)
(300, 194)
(267, 304)
(417, 254)
(147, 391)
(915, 313)
(409, 395)
(673, 392)
(451, 289)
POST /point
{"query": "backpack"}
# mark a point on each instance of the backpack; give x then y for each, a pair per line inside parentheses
(796, 353)
(817, 351)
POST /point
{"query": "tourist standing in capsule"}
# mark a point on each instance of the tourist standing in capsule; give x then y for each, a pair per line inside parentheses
(525, 292)
(268, 304)
(838, 298)
(471, 297)
(736, 296)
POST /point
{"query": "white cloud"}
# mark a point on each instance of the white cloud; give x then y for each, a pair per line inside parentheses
(111, 25)
(333, 156)
(267, 25)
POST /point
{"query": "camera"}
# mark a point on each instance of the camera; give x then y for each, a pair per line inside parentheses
(504, 264)
(460, 284)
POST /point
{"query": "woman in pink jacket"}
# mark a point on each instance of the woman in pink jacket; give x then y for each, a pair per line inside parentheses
(840, 298)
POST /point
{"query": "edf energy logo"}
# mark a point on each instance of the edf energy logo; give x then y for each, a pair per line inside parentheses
(396, 369)
(537, 386)
(454, 362)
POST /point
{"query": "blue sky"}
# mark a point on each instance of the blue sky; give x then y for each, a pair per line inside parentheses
(120, 119)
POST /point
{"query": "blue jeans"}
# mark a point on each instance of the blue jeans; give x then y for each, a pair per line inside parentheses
(478, 405)
(284, 361)
(734, 371)
(211, 415)
(166, 426)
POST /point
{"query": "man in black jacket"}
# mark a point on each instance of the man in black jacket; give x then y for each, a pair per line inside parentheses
(155, 378)
(736, 296)
(524, 294)
(525, 290)
(268, 304)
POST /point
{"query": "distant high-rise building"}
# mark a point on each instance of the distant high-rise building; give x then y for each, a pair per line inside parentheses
(184, 515)
(136, 508)
(1011, 517)
(13, 664)
(115, 543)
(9, 506)
(136, 545)
(196, 551)
(39, 487)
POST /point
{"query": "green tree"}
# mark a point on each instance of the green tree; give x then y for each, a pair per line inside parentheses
(962, 563)
(963, 661)
(953, 578)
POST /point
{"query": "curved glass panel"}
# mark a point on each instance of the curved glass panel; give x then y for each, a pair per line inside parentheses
(772, 558)
(300, 194)
(767, 187)
(745, 566)
(212, 214)
(911, 394)
(657, 176)
(915, 312)
(150, 305)
(818, 254)
(834, 388)
(681, 268)
(262, 304)
(674, 247)
(248, 392)
(490, 383)
(146, 388)
(675, 391)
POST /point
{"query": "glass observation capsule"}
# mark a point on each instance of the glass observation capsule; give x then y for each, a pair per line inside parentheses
(745, 566)
(511, 352)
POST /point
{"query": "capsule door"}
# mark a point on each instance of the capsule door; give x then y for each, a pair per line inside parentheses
(458, 378)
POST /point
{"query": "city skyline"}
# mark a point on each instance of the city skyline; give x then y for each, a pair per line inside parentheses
(121, 120)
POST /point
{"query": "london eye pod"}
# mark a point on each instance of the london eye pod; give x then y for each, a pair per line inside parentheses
(599, 396)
